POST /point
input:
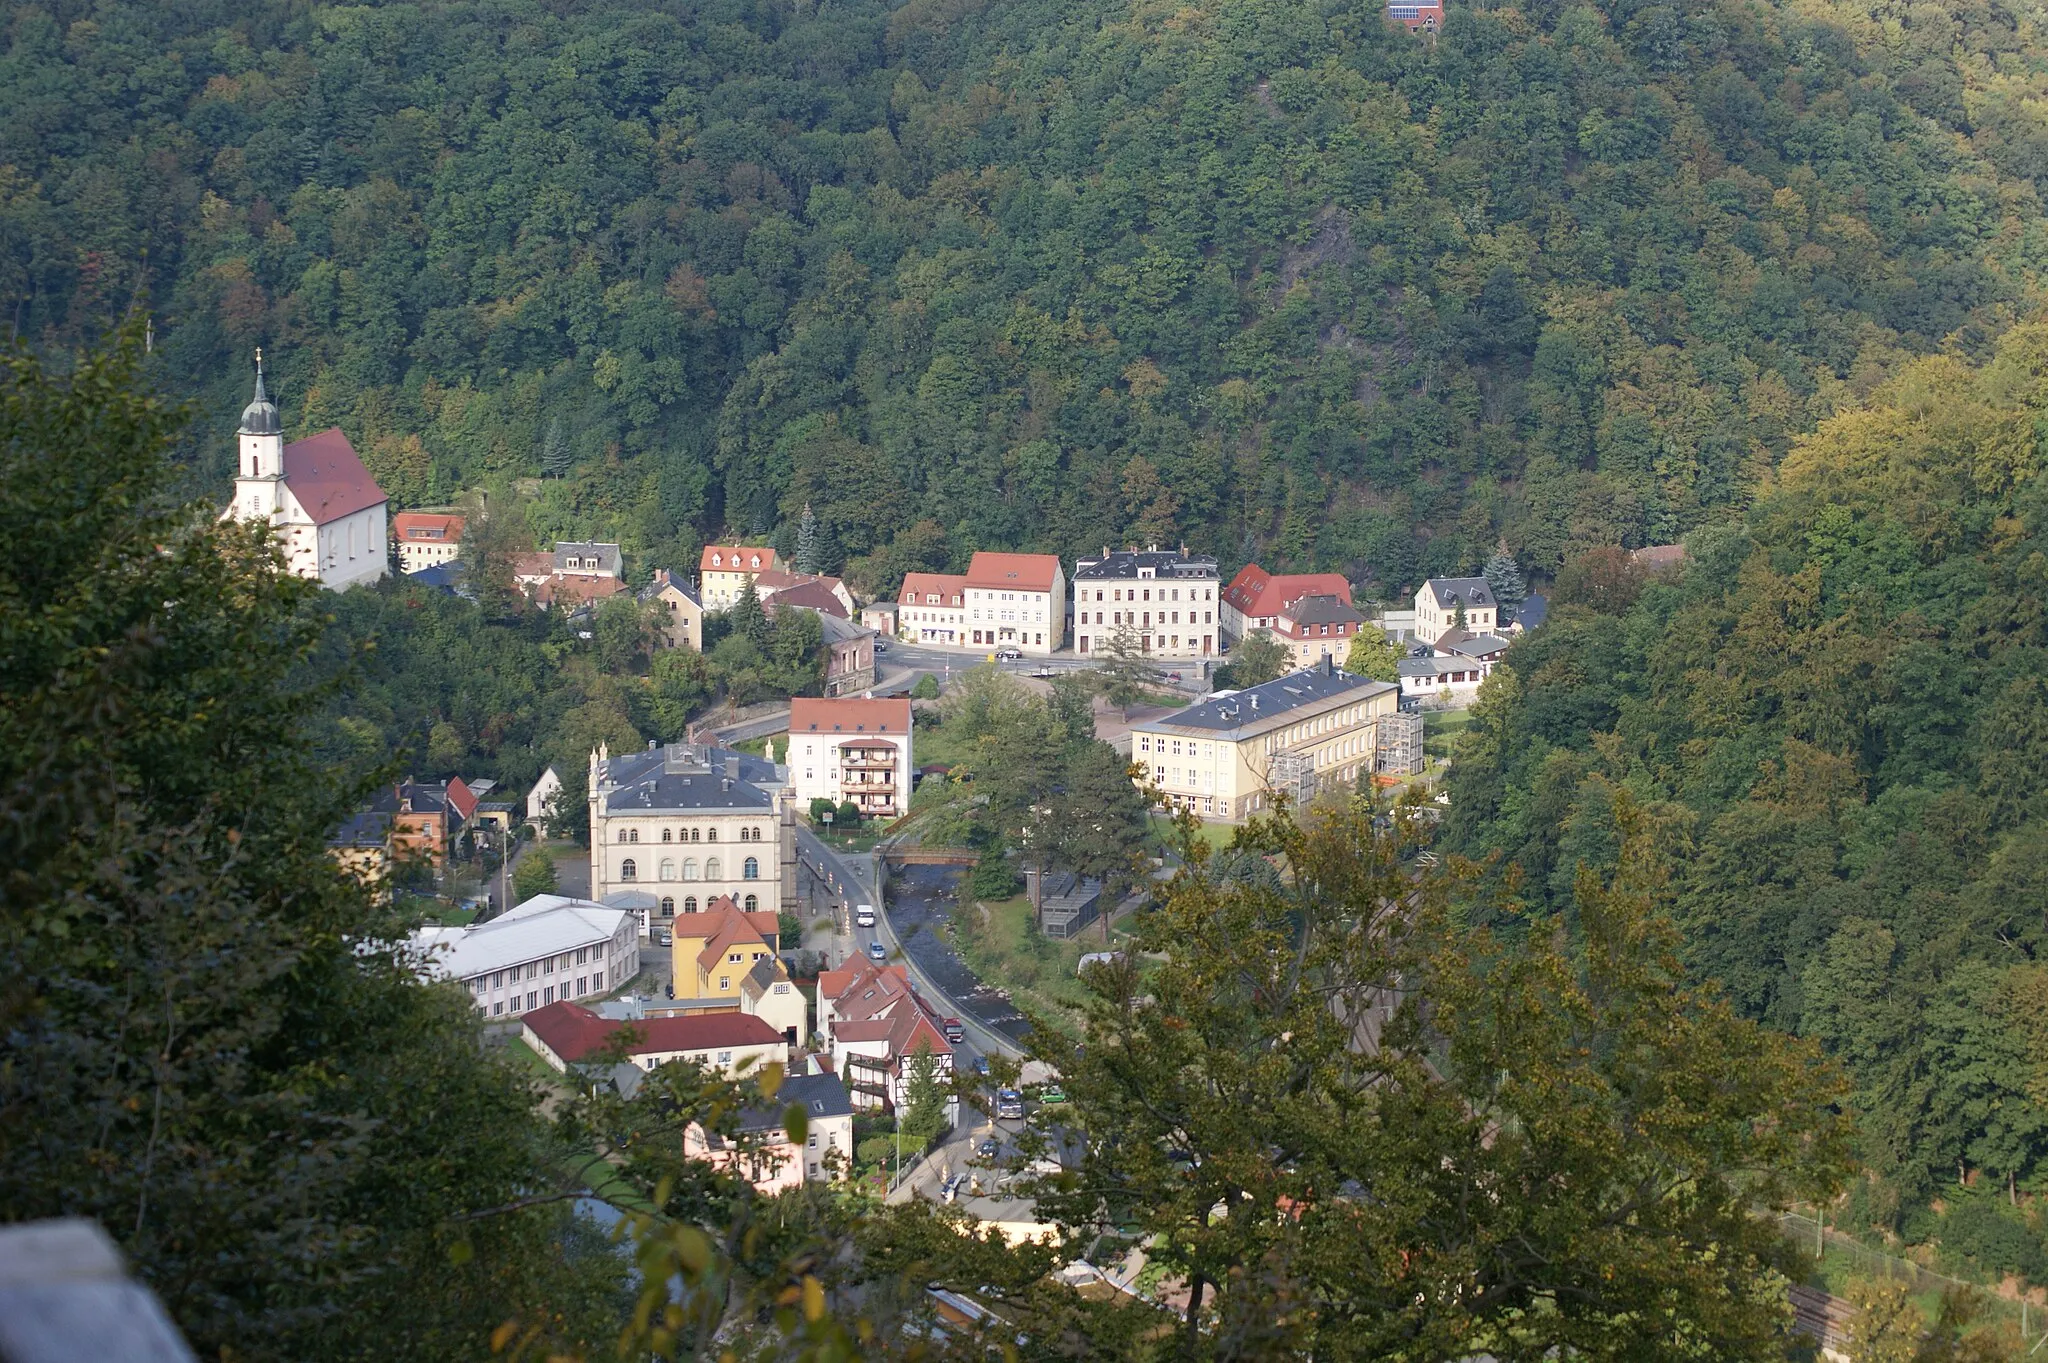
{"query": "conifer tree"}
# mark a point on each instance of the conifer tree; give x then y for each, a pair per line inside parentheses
(807, 541)
(556, 459)
(1504, 575)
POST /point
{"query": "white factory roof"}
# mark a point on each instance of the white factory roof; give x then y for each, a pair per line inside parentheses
(544, 925)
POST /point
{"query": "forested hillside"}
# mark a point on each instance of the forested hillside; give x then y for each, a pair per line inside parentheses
(1277, 279)
(1837, 720)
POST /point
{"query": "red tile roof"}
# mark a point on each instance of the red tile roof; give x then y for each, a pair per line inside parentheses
(1013, 572)
(1257, 593)
(461, 798)
(812, 593)
(572, 1032)
(736, 558)
(327, 477)
(948, 587)
(427, 525)
(575, 591)
(850, 717)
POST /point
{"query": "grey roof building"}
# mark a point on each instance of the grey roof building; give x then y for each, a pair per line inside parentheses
(687, 822)
(1130, 565)
(578, 557)
(1167, 599)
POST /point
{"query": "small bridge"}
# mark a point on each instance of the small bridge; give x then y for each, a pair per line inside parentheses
(930, 856)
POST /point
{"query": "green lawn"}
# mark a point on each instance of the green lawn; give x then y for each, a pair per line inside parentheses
(525, 1058)
(1440, 730)
(1217, 835)
(1004, 949)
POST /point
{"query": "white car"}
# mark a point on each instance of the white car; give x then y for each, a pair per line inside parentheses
(1009, 655)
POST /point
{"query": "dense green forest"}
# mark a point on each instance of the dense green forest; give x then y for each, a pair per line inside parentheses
(1277, 279)
(1836, 720)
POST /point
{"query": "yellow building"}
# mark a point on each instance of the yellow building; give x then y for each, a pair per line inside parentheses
(1225, 758)
(724, 570)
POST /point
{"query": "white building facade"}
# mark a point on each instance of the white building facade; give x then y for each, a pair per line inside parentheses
(550, 949)
(686, 823)
(1016, 601)
(328, 513)
(1167, 597)
(858, 750)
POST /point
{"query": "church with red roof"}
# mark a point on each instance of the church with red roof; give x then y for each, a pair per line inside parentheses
(329, 515)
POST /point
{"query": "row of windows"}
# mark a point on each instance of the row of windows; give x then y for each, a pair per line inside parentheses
(714, 869)
(1145, 594)
(749, 834)
(1147, 743)
(533, 970)
(668, 904)
(1131, 618)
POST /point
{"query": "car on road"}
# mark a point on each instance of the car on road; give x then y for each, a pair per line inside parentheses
(863, 915)
(666, 938)
(955, 1033)
(988, 1147)
(1010, 655)
(877, 952)
(981, 1065)
(881, 645)
(1052, 1093)
(1009, 1105)
(1044, 672)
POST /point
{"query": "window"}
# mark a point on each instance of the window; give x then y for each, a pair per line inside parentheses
(633, 835)
(532, 1001)
(627, 870)
(582, 955)
(550, 992)
(597, 980)
(725, 982)
(689, 868)
(667, 834)
(582, 985)
(689, 903)
(734, 959)
(497, 1010)
(668, 869)
(622, 835)
(750, 869)
(753, 903)
(668, 907)
(710, 835)
(693, 835)
(711, 868)
(498, 980)
(812, 1140)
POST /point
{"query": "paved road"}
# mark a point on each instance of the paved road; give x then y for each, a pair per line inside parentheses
(947, 661)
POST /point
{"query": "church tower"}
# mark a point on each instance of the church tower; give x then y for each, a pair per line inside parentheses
(259, 473)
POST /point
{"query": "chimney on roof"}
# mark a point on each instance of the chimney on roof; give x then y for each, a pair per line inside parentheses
(732, 767)
(1329, 666)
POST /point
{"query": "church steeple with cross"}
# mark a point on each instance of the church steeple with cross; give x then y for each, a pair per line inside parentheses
(259, 474)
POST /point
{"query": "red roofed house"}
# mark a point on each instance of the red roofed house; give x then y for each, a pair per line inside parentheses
(565, 1034)
(723, 570)
(726, 957)
(1255, 599)
(876, 1024)
(328, 512)
(1425, 17)
(1315, 626)
(1016, 601)
(809, 590)
(856, 750)
(426, 538)
(932, 609)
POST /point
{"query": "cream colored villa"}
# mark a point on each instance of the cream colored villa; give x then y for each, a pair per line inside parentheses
(1224, 758)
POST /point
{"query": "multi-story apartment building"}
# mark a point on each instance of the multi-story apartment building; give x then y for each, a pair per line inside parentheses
(1255, 597)
(1167, 597)
(1016, 601)
(425, 539)
(549, 949)
(1225, 757)
(856, 750)
(723, 571)
(932, 608)
(685, 823)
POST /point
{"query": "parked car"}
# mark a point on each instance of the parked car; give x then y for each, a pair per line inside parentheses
(955, 1033)
(1043, 672)
(881, 645)
(877, 952)
(665, 937)
(1010, 655)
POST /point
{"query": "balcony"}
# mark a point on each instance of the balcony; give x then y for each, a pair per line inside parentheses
(867, 761)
